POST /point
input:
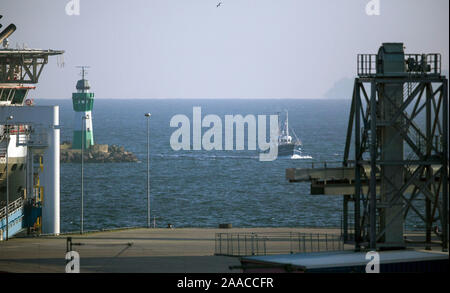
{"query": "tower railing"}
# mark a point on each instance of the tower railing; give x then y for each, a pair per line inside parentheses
(415, 64)
(367, 64)
(423, 63)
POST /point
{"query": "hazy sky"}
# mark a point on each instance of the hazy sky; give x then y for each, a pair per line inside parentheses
(243, 49)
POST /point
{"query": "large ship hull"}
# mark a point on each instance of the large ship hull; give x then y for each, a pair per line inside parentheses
(16, 179)
(16, 169)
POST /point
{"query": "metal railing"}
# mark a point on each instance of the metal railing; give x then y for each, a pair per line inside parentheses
(367, 64)
(414, 64)
(246, 244)
(324, 164)
(13, 206)
(35, 137)
(423, 63)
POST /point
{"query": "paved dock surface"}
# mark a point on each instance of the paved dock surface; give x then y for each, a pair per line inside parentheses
(183, 250)
(160, 250)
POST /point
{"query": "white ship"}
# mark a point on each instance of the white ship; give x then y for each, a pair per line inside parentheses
(287, 145)
(20, 187)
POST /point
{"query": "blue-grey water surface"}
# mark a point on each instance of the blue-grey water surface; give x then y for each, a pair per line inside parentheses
(200, 188)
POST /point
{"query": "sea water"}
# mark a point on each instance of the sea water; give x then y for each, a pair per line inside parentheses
(201, 188)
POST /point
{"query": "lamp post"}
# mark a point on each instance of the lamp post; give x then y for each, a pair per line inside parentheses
(148, 168)
(83, 119)
(7, 180)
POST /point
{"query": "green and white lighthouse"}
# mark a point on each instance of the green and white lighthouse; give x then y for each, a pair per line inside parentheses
(83, 102)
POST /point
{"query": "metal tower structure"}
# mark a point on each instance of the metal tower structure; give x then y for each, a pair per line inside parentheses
(398, 129)
(403, 135)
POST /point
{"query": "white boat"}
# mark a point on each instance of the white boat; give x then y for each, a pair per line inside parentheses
(287, 145)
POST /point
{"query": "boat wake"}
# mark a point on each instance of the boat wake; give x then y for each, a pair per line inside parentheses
(205, 156)
(300, 157)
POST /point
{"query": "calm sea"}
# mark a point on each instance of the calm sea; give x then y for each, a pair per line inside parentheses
(200, 188)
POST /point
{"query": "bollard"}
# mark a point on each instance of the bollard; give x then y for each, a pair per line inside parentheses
(69, 244)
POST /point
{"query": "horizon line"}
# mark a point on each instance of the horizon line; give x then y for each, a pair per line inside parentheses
(202, 98)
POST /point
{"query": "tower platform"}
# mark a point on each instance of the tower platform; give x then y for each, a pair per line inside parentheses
(23, 66)
(341, 180)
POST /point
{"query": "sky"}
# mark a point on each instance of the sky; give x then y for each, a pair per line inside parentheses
(241, 49)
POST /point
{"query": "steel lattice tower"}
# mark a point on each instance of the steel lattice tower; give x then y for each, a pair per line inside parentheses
(401, 132)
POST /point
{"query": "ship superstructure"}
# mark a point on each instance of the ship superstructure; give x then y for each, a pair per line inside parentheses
(23, 130)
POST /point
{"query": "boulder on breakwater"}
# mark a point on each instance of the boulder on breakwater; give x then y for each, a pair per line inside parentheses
(99, 153)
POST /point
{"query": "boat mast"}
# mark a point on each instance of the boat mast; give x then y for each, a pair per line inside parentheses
(287, 124)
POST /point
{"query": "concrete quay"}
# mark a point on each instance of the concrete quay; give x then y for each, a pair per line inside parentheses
(136, 250)
(160, 250)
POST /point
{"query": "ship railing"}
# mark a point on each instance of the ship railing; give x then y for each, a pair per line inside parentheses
(34, 138)
(248, 244)
(21, 139)
(12, 207)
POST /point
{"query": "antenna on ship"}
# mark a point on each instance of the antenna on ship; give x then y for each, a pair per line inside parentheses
(279, 126)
